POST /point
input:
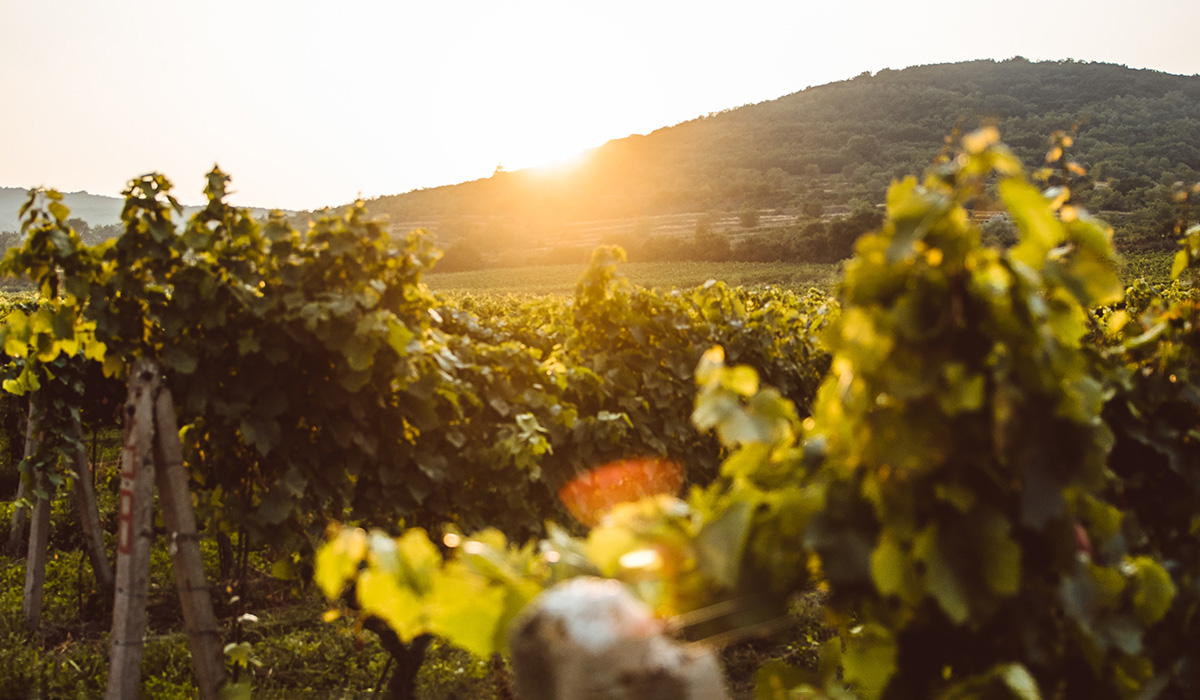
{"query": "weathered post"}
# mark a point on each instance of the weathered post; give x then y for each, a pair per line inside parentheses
(35, 560)
(180, 521)
(134, 532)
(153, 454)
(83, 496)
(18, 524)
(590, 639)
(20, 516)
(39, 530)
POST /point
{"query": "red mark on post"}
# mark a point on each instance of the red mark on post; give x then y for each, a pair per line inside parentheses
(125, 522)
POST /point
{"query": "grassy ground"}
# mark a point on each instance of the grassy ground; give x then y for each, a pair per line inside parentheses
(295, 653)
(561, 279)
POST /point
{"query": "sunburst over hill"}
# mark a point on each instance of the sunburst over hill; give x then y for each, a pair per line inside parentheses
(832, 149)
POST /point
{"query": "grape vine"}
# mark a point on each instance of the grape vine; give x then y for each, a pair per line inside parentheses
(969, 487)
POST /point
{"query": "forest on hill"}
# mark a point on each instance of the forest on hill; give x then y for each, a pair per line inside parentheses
(793, 165)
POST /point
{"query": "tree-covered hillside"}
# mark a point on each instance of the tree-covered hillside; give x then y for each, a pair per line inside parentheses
(839, 145)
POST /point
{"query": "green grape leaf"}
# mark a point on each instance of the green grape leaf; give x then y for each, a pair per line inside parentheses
(870, 660)
(710, 366)
(360, 351)
(893, 572)
(1040, 230)
(999, 553)
(14, 346)
(713, 408)
(1180, 263)
(775, 680)
(419, 558)
(1154, 590)
(180, 359)
(1020, 681)
(399, 337)
(337, 561)
(741, 379)
(941, 578)
(962, 392)
(60, 212)
(912, 211)
(464, 610)
(380, 594)
(720, 543)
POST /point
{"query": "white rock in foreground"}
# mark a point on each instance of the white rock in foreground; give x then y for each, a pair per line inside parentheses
(590, 639)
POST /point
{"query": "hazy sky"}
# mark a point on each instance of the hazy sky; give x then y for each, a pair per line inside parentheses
(308, 104)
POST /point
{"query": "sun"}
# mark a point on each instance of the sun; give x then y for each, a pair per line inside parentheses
(548, 153)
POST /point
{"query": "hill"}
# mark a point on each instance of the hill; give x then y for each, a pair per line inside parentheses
(836, 147)
(97, 210)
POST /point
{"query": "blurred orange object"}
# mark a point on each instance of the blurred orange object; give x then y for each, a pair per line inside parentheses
(589, 496)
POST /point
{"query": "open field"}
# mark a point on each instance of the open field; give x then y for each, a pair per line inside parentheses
(561, 279)
(536, 280)
(1154, 265)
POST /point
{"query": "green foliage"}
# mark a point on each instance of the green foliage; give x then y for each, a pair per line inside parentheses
(748, 216)
(964, 514)
(46, 348)
(1189, 252)
(1149, 353)
(962, 445)
(315, 373)
(467, 599)
(987, 485)
(956, 488)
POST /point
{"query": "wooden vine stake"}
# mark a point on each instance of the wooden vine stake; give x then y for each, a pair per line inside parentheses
(39, 536)
(152, 453)
(83, 499)
(20, 516)
(83, 496)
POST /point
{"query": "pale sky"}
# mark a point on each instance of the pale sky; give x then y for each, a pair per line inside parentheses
(311, 104)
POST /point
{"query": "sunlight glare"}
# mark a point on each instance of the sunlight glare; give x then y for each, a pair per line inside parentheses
(563, 165)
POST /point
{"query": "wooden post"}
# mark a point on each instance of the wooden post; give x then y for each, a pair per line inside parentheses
(180, 520)
(134, 532)
(83, 496)
(153, 454)
(35, 560)
(39, 531)
(20, 516)
(20, 521)
(590, 638)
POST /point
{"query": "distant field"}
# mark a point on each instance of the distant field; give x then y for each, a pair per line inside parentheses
(561, 279)
(1154, 265)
